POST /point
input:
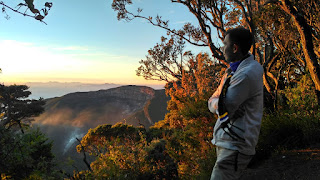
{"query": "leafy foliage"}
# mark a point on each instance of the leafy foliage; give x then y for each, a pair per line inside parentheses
(190, 118)
(281, 45)
(24, 155)
(122, 151)
(301, 100)
(190, 94)
(165, 61)
(294, 125)
(177, 147)
(187, 128)
(15, 108)
(180, 144)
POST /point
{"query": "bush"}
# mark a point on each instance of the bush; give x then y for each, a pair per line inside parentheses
(296, 124)
(123, 152)
(25, 155)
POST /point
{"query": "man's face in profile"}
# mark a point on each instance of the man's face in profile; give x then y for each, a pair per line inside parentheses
(229, 49)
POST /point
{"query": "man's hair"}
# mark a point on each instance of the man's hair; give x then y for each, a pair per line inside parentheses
(242, 37)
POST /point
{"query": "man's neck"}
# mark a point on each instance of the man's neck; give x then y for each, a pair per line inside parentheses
(242, 57)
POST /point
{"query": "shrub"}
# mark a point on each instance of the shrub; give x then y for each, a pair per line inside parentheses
(24, 155)
(296, 124)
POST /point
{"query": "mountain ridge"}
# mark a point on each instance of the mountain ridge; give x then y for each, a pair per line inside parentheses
(106, 106)
(69, 117)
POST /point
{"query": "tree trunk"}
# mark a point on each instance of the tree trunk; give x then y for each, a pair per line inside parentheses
(306, 41)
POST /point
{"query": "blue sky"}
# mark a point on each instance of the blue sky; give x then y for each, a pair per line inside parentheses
(83, 42)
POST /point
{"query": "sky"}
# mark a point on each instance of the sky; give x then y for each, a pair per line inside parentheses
(82, 42)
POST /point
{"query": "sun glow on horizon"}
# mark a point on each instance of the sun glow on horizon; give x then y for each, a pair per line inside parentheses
(25, 62)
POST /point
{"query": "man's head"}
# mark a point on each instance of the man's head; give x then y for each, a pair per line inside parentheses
(237, 43)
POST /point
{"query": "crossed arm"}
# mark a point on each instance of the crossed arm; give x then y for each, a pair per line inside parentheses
(238, 92)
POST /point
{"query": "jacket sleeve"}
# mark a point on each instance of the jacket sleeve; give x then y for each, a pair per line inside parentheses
(237, 93)
(214, 99)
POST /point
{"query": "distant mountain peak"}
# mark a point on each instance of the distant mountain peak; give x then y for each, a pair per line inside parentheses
(140, 93)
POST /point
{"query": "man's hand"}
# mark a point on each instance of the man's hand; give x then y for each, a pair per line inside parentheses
(239, 113)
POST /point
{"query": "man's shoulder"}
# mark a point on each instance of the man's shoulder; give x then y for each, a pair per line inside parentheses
(250, 65)
(255, 65)
(250, 69)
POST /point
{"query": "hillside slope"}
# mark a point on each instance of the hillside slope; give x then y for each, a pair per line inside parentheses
(71, 116)
(99, 107)
(152, 112)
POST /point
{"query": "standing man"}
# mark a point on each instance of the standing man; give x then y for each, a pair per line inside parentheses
(238, 101)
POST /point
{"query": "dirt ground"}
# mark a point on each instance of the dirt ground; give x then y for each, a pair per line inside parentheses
(295, 164)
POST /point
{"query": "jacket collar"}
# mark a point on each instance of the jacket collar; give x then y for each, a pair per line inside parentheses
(245, 61)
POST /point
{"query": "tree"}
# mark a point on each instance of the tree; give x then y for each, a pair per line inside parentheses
(177, 147)
(165, 61)
(198, 36)
(223, 15)
(15, 109)
(278, 50)
(211, 14)
(123, 151)
(189, 94)
(307, 33)
(189, 117)
(25, 155)
(26, 8)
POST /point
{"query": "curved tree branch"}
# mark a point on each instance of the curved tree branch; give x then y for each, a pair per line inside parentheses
(30, 6)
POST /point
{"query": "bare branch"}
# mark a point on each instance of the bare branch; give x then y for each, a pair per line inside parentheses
(24, 14)
(29, 6)
(163, 25)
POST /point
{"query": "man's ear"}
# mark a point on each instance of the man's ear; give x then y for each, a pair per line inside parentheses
(235, 48)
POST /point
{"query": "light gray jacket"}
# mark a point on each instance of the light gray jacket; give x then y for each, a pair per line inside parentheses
(246, 89)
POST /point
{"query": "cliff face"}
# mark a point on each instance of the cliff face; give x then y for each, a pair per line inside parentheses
(71, 116)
